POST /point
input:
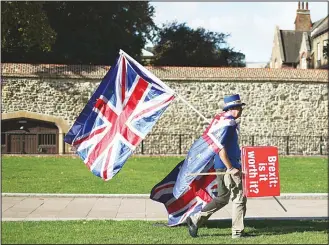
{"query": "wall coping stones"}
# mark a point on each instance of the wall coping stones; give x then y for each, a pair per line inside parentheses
(168, 73)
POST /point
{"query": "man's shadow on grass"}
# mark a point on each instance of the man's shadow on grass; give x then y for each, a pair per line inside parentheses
(273, 227)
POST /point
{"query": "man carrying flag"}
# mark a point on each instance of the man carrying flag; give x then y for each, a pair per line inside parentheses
(192, 199)
(118, 116)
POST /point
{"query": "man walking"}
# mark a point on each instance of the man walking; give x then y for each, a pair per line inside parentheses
(229, 184)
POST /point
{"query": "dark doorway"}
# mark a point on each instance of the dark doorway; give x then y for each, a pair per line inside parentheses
(28, 136)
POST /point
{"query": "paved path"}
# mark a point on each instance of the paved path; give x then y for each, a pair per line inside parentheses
(36, 207)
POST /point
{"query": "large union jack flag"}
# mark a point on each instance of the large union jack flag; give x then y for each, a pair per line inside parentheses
(118, 116)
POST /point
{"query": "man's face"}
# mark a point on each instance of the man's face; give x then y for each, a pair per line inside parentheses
(237, 111)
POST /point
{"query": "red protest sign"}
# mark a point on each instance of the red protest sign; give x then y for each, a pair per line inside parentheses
(260, 165)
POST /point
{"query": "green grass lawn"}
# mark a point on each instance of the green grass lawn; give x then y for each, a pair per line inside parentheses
(147, 232)
(69, 175)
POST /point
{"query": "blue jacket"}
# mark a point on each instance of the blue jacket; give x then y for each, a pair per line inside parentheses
(229, 140)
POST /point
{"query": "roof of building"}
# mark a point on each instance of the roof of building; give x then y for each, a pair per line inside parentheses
(319, 27)
(306, 36)
(173, 73)
(291, 41)
(316, 23)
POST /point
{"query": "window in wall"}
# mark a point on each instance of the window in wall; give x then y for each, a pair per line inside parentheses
(47, 139)
(318, 52)
(325, 43)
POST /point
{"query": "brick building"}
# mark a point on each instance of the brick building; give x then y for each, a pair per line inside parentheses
(303, 47)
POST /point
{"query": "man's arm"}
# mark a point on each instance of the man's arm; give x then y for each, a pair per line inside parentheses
(223, 156)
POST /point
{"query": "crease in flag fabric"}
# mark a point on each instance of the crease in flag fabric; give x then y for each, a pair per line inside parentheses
(118, 116)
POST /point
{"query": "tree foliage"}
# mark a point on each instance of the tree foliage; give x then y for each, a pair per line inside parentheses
(25, 28)
(70, 32)
(90, 32)
(93, 32)
(231, 58)
(180, 45)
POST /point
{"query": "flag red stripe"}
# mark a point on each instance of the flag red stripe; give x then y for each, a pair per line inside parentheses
(190, 194)
(108, 113)
(88, 164)
(217, 117)
(203, 194)
(163, 187)
(99, 104)
(130, 136)
(208, 139)
(107, 163)
(135, 96)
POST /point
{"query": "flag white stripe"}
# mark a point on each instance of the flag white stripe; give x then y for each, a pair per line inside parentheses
(118, 86)
(154, 102)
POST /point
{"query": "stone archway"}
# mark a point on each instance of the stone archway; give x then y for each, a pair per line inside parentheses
(61, 124)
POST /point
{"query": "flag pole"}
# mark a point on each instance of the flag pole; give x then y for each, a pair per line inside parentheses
(223, 173)
(211, 173)
(181, 98)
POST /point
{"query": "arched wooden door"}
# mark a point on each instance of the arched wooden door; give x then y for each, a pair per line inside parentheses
(28, 136)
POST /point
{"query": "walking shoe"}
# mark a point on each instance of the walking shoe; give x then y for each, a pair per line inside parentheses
(242, 235)
(192, 228)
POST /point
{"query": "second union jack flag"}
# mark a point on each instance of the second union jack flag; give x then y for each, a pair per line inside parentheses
(202, 190)
(203, 150)
(118, 116)
(184, 194)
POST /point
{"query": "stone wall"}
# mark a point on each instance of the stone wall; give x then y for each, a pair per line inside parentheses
(289, 103)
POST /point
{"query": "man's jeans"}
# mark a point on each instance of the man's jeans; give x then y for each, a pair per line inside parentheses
(228, 186)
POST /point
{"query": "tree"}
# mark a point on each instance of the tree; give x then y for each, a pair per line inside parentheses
(231, 58)
(93, 32)
(24, 29)
(86, 32)
(179, 45)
